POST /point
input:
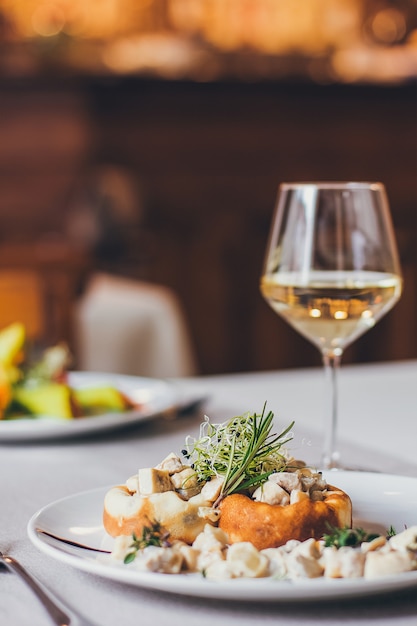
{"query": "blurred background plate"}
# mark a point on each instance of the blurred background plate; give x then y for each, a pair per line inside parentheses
(156, 397)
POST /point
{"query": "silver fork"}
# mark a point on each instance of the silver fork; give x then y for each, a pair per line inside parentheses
(60, 614)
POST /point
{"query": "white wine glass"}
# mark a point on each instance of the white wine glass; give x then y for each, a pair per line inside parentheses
(331, 271)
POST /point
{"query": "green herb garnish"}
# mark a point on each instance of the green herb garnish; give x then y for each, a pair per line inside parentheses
(242, 451)
(153, 535)
(352, 537)
(391, 532)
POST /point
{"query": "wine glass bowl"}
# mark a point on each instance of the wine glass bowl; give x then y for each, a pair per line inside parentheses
(331, 271)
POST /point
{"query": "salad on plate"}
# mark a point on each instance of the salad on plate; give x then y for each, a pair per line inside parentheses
(32, 387)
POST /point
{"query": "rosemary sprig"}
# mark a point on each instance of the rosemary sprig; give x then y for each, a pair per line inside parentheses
(153, 535)
(243, 451)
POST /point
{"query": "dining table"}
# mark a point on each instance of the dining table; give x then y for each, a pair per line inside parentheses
(377, 435)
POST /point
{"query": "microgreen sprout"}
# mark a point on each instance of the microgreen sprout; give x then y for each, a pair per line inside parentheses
(242, 451)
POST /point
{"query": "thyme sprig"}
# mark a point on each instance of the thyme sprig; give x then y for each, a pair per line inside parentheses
(352, 537)
(153, 535)
(242, 451)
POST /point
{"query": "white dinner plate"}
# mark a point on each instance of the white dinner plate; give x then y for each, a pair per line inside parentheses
(155, 396)
(379, 501)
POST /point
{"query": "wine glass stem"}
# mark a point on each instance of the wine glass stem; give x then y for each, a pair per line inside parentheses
(331, 456)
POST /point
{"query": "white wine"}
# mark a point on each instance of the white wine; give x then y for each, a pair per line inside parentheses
(331, 309)
(331, 271)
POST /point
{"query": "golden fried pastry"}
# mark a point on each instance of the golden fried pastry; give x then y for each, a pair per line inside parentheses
(269, 525)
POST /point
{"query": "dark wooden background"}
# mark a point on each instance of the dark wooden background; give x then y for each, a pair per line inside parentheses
(206, 160)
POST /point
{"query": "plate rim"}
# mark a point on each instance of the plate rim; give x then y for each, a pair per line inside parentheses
(317, 590)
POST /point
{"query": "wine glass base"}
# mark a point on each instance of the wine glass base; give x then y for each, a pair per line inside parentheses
(340, 467)
(336, 464)
(331, 462)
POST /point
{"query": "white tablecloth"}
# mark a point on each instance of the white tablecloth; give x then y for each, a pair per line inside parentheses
(378, 429)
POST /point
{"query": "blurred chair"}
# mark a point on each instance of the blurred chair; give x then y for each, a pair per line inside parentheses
(131, 327)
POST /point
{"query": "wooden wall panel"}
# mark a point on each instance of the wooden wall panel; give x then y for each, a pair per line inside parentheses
(44, 144)
(208, 159)
(211, 158)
